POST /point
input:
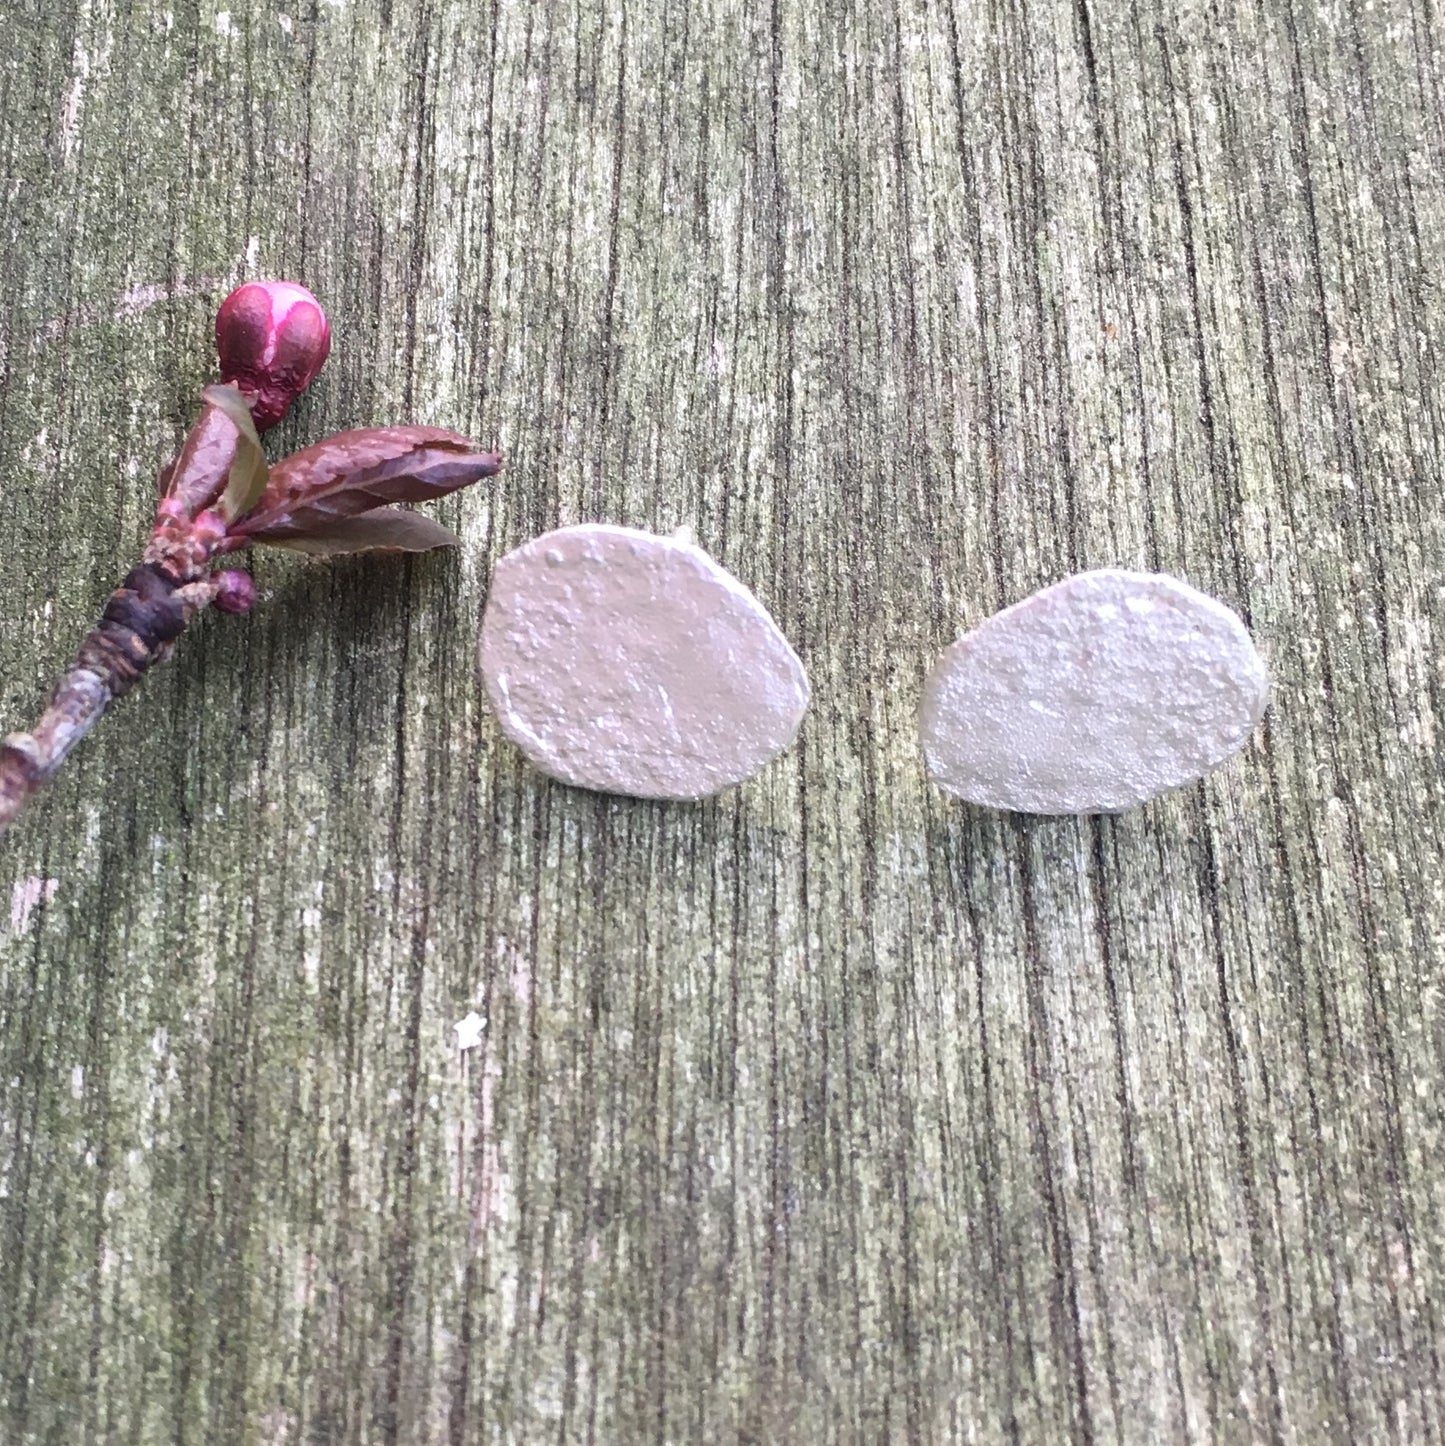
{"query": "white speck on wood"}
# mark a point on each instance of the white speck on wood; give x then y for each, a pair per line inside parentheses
(469, 1031)
(73, 103)
(27, 893)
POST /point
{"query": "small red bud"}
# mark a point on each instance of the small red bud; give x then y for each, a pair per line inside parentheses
(235, 591)
(272, 338)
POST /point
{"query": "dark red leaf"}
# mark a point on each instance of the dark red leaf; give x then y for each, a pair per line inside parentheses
(197, 477)
(354, 472)
(247, 478)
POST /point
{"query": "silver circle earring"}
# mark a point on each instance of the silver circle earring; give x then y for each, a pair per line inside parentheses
(631, 663)
(1092, 696)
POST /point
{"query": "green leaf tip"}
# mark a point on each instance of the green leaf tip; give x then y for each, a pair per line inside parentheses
(390, 529)
(248, 475)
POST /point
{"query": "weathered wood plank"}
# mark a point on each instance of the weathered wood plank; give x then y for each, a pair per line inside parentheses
(827, 1110)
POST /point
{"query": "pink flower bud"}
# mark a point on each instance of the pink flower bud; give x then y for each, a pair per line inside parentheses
(235, 591)
(272, 337)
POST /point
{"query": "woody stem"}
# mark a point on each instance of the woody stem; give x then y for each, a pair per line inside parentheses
(141, 622)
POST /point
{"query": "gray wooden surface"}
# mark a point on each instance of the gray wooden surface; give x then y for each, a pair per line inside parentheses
(828, 1110)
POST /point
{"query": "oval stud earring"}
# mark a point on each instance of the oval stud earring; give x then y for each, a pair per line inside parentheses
(1092, 696)
(630, 663)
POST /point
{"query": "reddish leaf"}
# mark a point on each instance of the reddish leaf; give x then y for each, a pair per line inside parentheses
(164, 478)
(199, 475)
(246, 480)
(389, 529)
(354, 472)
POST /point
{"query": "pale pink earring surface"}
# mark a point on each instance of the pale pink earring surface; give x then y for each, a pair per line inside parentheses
(631, 663)
(1092, 696)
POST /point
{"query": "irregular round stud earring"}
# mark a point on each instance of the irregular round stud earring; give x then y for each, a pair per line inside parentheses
(1092, 696)
(630, 663)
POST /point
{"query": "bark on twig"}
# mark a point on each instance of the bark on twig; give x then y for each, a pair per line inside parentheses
(142, 619)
